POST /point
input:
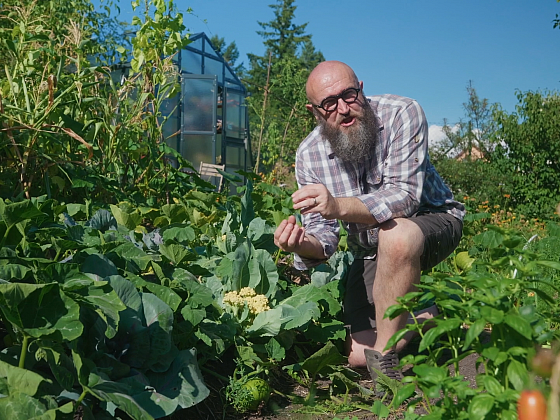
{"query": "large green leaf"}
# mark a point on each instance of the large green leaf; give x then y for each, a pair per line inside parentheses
(100, 265)
(163, 292)
(321, 296)
(241, 271)
(247, 209)
(129, 219)
(12, 272)
(176, 213)
(302, 314)
(134, 258)
(264, 275)
(176, 253)
(23, 380)
(159, 320)
(321, 361)
(41, 310)
(14, 213)
(517, 374)
(19, 405)
(489, 238)
(114, 392)
(492, 315)
(127, 292)
(181, 386)
(322, 332)
(480, 406)
(269, 323)
(102, 299)
(433, 334)
(178, 233)
(132, 340)
(519, 324)
(102, 220)
(60, 364)
(431, 375)
(257, 228)
(119, 395)
(474, 331)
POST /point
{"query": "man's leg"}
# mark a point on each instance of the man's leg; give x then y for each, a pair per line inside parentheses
(397, 269)
(401, 243)
(357, 342)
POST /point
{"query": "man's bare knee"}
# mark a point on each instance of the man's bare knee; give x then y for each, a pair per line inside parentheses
(400, 238)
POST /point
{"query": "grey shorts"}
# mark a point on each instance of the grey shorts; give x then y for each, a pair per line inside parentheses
(442, 233)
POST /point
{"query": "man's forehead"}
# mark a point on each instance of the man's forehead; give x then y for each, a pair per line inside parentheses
(330, 80)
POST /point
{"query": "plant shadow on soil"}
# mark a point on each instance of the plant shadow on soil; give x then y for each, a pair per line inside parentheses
(282, 408)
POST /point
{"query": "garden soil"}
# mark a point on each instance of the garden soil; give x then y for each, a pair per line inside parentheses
(281, 408)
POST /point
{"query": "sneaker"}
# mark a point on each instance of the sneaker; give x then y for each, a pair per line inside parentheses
(386, 364)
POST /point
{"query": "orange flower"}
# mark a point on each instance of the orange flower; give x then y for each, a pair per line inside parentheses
(507, 195)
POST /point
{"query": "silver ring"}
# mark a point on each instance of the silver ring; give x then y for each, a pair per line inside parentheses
(314, 201)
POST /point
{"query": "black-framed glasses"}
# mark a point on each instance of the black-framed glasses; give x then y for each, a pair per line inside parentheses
(330, 103)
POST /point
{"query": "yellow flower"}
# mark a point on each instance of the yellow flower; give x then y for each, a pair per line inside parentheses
(531, 294)
(258, 304)
(247, 292)
(247, 296)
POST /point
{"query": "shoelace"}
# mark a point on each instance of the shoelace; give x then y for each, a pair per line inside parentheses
(388, 363)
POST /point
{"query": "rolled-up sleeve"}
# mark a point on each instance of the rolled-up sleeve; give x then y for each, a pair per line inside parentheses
(403, 168)
(325, 231)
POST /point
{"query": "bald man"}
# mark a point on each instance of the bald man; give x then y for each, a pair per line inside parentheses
(366, 164)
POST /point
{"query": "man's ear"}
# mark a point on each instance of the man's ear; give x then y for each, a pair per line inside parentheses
(317, 115)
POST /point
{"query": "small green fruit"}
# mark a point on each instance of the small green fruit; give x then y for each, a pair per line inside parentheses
(260, 391)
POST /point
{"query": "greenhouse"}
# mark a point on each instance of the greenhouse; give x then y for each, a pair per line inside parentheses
(207, 122)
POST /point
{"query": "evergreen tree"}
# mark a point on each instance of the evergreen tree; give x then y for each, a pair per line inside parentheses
(471, 138)
(229, 52)
(279, 119)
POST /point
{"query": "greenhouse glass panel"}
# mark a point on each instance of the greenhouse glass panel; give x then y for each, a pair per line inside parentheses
(197, 148)
(191, 61)
(199, 98)
(214, 67)
(229, 74)
(196, 44)
(235, 157)
(234, 126)
(209, 49)
(218, 149)
(171, 127)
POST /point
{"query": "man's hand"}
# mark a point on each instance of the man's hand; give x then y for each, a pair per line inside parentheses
(315, 198)
(288, 235)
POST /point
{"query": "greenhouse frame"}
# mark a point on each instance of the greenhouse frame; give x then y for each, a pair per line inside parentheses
(208, 121)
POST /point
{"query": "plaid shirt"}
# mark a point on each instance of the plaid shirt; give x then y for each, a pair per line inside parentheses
(398, 181)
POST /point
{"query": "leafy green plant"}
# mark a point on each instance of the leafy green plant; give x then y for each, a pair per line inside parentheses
(488, 310)
(86, 334)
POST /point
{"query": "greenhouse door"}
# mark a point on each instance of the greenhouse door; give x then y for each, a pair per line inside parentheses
(199, 120)
(235, 129)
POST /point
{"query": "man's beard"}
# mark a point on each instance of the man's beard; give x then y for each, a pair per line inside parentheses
(356, 143)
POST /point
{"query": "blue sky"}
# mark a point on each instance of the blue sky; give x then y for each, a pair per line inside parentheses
(424, 49)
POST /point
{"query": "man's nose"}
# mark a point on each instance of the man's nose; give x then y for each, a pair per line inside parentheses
(343, 107)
